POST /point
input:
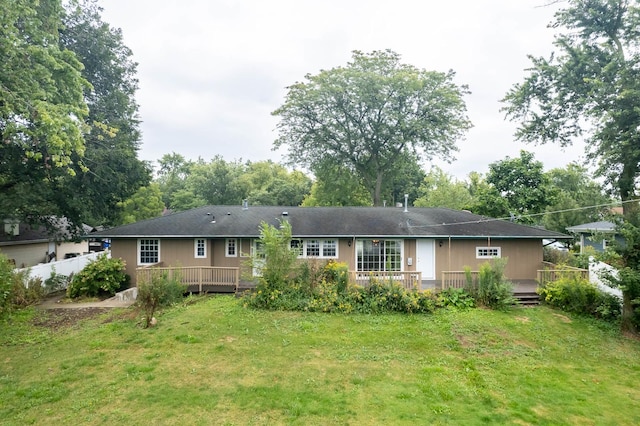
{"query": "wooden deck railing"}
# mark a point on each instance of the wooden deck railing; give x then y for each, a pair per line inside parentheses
(200, 277)
(552, 272)
(408, 280)
(457, 279)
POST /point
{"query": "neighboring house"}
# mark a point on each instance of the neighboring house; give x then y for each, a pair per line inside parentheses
(431, 241)
(27, 245)
(598, 235)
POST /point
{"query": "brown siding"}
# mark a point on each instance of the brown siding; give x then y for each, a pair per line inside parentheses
(127, 250)
(525, 256)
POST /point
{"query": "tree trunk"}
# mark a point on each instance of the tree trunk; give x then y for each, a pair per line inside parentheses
(378, 189)
(626, 319)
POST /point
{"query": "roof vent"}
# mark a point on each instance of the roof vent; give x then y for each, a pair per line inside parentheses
(213, 219)
(245, 204)
(285, 213)
(406, 203)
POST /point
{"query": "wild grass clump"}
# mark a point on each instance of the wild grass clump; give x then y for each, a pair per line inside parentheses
(572, 293)
(491, 289)
(17, 288)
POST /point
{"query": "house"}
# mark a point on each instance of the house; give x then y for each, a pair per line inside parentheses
(419, 243)
(28, 245)
(597, 235)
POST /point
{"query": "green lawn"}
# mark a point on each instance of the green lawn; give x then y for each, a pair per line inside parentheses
(216, 362)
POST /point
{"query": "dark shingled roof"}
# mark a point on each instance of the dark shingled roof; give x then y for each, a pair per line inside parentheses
(234, 222)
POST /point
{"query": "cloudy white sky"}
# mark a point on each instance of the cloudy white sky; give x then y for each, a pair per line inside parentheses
(212, 71)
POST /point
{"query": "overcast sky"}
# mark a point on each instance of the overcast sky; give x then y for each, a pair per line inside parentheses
(212, 71)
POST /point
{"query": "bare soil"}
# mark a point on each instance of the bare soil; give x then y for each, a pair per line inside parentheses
(57, 312)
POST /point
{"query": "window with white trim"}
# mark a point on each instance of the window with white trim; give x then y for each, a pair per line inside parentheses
(329, 248)
(487, 252)
(232, 247)
(148, 251)
(312, 248)
(315, 248)
(200, 248)
(379, 255)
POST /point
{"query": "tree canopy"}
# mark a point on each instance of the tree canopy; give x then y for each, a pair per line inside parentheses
(366, 115)
(589, 87)
(111, 154)
(42, 109)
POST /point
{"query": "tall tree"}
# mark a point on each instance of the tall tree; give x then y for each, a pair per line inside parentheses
(520, 185)
(589, 87)
(439, 189)
(368, 114)
(575, 192)
(115, 172)
(42, 110)
(146, 203)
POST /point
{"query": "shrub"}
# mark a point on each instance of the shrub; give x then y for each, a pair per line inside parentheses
(161, 291)
(574, 294)
(491, 290)
(458, 298)
(56, 282)
(102, 276)
(6, 282)
(17, 289)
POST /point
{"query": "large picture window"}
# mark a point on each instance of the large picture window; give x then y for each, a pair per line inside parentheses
(148, 251)
(379, 255)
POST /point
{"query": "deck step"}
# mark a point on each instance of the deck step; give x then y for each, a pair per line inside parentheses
(527, 298)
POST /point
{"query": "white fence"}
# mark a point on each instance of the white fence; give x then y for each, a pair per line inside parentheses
(596, 271)
(63, 267)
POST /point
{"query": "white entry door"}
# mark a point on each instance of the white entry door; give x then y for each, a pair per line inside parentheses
(426, 258)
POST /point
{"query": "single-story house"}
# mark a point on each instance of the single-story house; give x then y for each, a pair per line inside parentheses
(29, 245)
(423, 243)
(597, 235)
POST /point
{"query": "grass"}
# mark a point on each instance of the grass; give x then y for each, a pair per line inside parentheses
(215, 362)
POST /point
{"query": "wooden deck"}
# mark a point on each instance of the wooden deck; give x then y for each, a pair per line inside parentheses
(198, 279)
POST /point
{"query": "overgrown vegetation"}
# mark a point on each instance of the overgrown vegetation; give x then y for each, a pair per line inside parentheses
(572, 293)
(101, 277)
(162, 290)
(491, 289)
(17, 289)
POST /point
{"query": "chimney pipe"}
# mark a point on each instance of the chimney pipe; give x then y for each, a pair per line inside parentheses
(406, 203)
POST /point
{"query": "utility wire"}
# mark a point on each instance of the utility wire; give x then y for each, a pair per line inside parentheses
(486, 220)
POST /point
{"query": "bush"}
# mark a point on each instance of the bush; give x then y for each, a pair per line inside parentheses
(161, 291)
(17, 289)
(457, 298)
(56, 282)
(491, 289)
(100, 277)
(6, 282)
(574, 294)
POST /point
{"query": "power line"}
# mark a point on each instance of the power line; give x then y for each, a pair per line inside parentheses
(486, 220)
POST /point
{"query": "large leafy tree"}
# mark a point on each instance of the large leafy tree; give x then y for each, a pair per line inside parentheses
(440, 189)
(115, 172)
(42, 111)
(589, 87)
(575, 192)
(516, 187)
(366, 115)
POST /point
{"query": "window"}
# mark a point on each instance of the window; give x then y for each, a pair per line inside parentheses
(200, 247)
(297, 246)
(232, 247)
(379, 255)
(329, 248)
(148, 251)
(313, 248)
(487, 252)
(316, 248)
